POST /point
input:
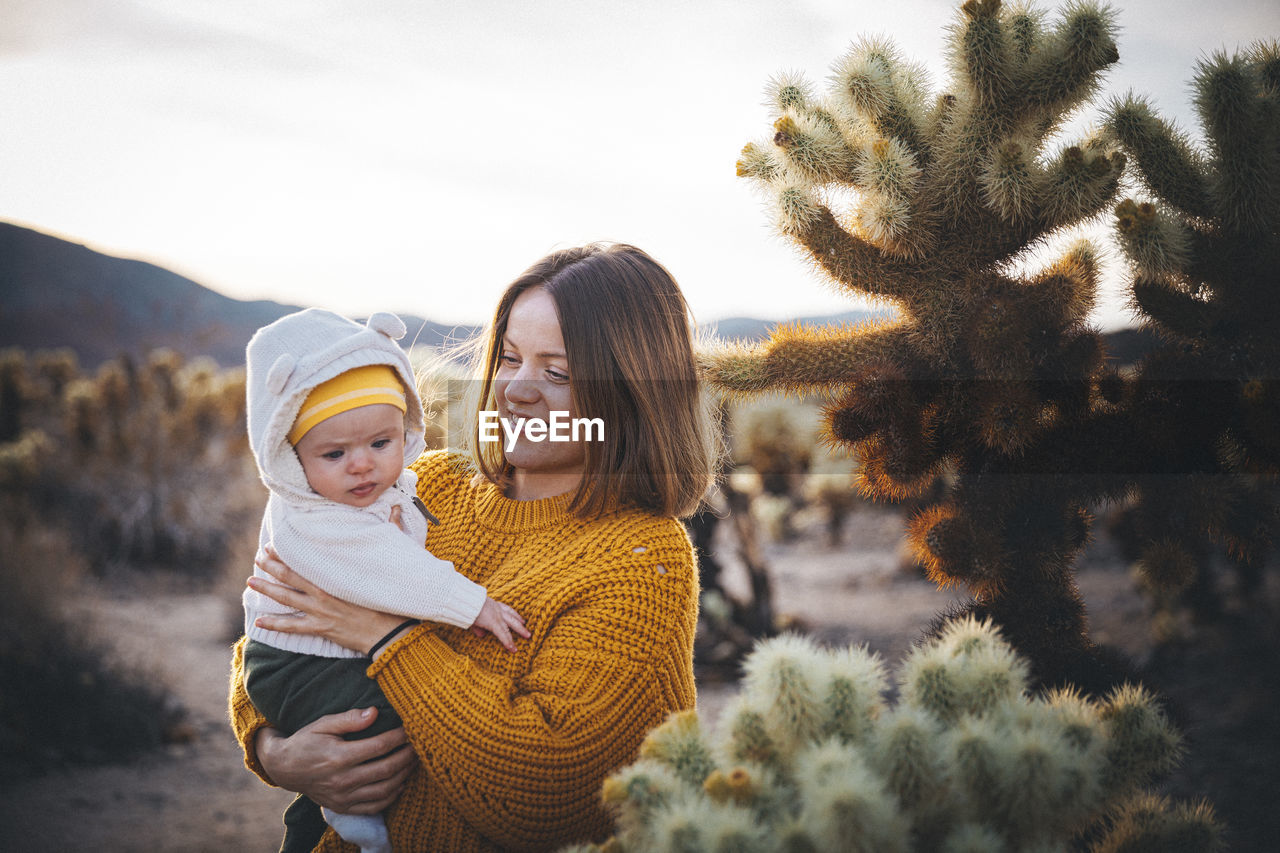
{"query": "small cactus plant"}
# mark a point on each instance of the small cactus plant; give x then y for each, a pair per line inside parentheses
(810, 756)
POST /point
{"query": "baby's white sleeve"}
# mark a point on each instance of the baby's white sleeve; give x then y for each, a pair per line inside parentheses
(352, 555)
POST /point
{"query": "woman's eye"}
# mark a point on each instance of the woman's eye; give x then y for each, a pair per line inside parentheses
(557, 376)
(509, 360)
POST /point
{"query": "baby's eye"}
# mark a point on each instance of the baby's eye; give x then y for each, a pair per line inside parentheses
(333, 454)
(381, 443)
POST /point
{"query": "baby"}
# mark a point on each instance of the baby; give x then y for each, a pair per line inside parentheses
(334, 417)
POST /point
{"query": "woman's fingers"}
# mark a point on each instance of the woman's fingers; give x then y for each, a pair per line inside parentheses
(368, 749)
(288, 596)
(274, 566)
(355, 720)
(284, 624)
(358, 776)
(378, 795)
(374, 783)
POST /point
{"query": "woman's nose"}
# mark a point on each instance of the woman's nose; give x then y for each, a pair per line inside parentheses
(521, 390)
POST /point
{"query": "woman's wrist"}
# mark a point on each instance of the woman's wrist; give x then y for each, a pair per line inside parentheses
(390, 637)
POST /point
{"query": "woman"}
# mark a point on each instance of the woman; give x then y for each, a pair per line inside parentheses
(581, 537)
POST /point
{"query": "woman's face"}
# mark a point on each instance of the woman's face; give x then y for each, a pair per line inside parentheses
(531, 382)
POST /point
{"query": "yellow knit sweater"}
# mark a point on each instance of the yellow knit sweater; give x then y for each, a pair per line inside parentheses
(515, 746)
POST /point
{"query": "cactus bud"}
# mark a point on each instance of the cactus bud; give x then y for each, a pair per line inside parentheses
(784, 667)
(634, 792)
(796, 208)
(889, 169)
(716, 786)
(812, 148)
(1010, 181)
(1149, 823)
(883, 220)
(907, 753)
(855, 682)
(788, 91)
(749, 737)
(759, 162)
(845, 803)
(863, 78)
(679, 744)
(1142, 743)
(951, 549)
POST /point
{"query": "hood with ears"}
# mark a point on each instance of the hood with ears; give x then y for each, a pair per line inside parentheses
(289, 357)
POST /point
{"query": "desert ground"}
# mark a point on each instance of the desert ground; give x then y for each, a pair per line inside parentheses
(197, 796)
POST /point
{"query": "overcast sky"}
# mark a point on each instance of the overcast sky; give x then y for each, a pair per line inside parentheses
(416, 156)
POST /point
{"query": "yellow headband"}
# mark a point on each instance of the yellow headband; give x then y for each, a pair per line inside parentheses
(360, 386)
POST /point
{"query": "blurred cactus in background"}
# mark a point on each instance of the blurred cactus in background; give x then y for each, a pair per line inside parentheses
(778, 446)
(153, 468)
(134, 466)
(810, 756)
(987, 373)
(1203, 247)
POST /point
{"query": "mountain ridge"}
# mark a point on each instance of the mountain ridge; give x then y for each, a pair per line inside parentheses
(58, 293)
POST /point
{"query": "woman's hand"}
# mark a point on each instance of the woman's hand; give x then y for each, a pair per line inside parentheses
(351, 777)
(349, 625)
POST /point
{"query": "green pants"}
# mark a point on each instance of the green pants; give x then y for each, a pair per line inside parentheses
(293, 690)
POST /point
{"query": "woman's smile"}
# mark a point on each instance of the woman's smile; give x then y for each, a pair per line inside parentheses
(532, 381)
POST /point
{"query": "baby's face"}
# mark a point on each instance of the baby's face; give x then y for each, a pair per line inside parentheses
(353, 457)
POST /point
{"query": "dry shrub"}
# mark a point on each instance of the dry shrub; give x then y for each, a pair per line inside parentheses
(64, 701)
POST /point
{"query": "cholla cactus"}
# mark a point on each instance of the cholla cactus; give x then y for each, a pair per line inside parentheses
(812, 757)
(152, 467)
(1204, 251)
(988, 373)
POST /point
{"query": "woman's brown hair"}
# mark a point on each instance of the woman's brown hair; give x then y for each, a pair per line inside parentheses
(628, 342)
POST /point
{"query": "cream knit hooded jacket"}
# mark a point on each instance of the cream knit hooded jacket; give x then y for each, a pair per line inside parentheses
(354, 553)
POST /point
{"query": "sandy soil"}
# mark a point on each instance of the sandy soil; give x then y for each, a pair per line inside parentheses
(197, 796)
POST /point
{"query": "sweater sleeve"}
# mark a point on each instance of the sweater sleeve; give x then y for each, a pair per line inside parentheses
(246, 721)
(522, 758)
(354, 556)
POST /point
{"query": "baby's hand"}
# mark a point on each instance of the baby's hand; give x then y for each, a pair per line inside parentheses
(501, 621)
